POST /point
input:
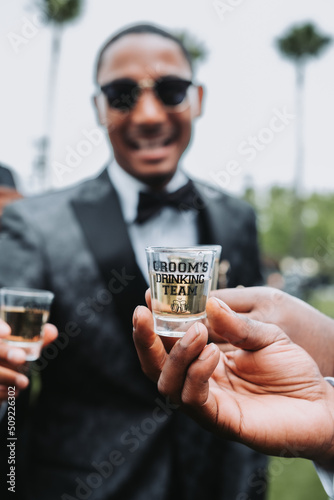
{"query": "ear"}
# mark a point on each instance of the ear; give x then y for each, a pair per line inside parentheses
(196, 105)
(100, 108)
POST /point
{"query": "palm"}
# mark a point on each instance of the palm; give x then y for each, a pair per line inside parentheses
(267, 393)
(257, 393)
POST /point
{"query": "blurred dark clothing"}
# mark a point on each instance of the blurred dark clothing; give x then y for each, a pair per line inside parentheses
(8, 192)
(6, 177)
(99, 429)
(7, 196)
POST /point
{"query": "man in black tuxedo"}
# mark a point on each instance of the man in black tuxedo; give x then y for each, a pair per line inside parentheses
(99, 428)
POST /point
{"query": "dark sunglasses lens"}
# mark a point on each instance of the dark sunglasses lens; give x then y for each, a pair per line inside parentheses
(120, 96)
(172, 93)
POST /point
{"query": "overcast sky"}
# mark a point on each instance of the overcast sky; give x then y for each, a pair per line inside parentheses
(250, 89)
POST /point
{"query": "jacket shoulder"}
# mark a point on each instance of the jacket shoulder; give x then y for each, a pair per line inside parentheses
(48, 205)
(228, 202)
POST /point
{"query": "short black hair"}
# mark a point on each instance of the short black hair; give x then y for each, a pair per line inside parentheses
(142, 29)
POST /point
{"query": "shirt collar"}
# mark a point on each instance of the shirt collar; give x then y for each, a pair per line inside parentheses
(128, 188)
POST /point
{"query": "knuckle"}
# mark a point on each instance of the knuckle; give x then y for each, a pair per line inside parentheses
(176, 355)
(192, 375)
(188, 398)
(247, 327)
(278, 333)
(162, 388)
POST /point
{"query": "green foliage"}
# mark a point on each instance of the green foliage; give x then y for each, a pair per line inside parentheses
(302, 42)
(275, 209)
(197, 49)
(60, 11)
(323, 305)
(293, 479)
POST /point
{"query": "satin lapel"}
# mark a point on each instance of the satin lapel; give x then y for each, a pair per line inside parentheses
(103, 225)
(218, 227)
(212, 224)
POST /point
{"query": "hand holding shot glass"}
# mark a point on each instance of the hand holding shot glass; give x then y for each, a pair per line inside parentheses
(26, 311)
(180, 282)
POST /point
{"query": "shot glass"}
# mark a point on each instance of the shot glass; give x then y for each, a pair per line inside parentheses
(215, 274)
(180, 281)
(26, 311)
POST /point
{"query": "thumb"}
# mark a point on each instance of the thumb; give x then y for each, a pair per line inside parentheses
(4, 329)
(239, 330)
(148, 299)
(50, 334)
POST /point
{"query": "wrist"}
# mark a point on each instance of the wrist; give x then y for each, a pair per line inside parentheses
(325, 458)
(311, 329)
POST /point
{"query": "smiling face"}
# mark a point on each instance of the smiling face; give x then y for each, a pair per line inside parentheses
(148, 139)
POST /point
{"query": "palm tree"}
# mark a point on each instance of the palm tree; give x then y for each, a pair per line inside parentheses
(300, 44)
(56, 13)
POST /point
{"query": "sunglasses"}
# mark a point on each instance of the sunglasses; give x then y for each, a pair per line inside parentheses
(123, 94)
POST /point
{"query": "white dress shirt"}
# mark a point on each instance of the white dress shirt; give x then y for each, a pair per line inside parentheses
(169, 227)
(326, 477)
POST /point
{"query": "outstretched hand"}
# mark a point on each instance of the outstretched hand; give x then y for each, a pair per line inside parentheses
(267, 393)
(12, 360)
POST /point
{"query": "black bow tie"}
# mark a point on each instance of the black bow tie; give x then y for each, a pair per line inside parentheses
(151, 202)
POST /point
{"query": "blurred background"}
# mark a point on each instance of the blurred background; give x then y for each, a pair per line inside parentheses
(266, 133)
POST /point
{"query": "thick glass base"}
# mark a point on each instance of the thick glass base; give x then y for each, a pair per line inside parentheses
(175, 325)
(32, 349)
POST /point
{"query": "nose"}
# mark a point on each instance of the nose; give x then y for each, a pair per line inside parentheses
(148, 110)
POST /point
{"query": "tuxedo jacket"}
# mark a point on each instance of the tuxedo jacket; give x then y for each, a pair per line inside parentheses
(98, 428)
(6, 177)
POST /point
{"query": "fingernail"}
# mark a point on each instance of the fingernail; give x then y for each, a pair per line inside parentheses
(135, 317)
(223, 305)
(21, 381)
(208, 351)
(4, 328)
(16, 356)
(190, 336)
(52, 328)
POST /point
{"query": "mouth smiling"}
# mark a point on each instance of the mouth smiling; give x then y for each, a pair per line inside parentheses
(151, 142)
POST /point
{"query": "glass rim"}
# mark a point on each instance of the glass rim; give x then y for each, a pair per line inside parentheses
(27, 292)
(210, 246)
(190, 249)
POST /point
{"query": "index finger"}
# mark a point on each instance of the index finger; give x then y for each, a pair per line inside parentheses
(9, 352)
(4, 329)
(239, 299)
(12, 377)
